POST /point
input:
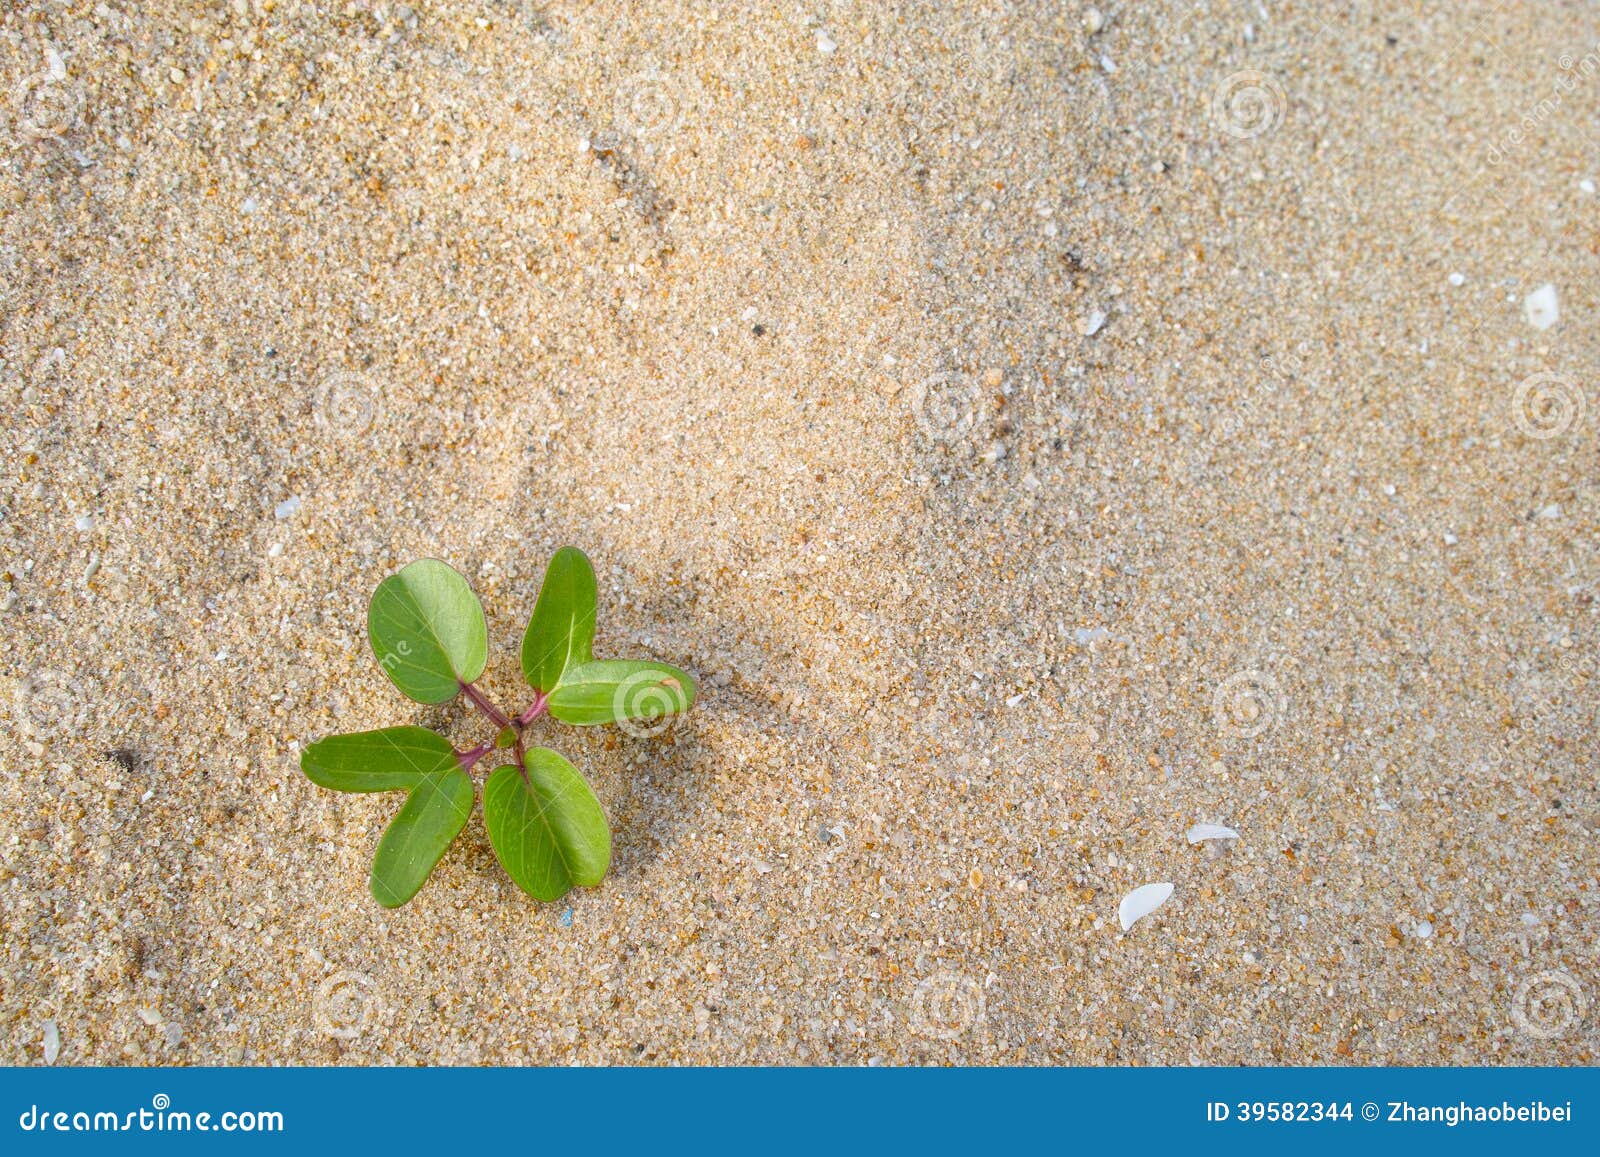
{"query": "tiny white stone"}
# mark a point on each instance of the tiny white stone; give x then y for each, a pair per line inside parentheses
(1142, 901)
(84, 522)
(1092, 324)
(52, 1042)
(1587, 186)
(1541, 307)
(1551, 511)
(1450, 539)
(825, 43)
(1093, 21)
(1200, 833)
(1014, 700)
(1458, 279)
(150, 1016)
(1424, 929)
(1107, 63)
(288, 507)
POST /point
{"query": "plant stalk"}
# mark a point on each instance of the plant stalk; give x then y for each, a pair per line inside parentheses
(496, 716)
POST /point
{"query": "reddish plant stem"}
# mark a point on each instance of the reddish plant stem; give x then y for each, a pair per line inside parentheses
(470, 758)
(496, 716)
(535, 709)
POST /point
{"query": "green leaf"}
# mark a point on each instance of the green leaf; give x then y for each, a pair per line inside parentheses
(613, 690)
(561, 632)
(427, 630)
(438, 802)
(547, 829)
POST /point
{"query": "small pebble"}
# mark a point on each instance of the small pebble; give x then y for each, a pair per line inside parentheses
(1587, 186)
(826, 44)
(1541, 307)
(52, 1042)
(1107, 63)
(1458, 279)
(84, 522)
(1092, 324)
(288, 507)
(1093, 21)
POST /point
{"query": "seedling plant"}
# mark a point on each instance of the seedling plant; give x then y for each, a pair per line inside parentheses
(548, 830)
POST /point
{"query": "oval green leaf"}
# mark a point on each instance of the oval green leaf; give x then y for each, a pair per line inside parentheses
(613, 690)
(561, 632)
(547, 828)
(422, 831)
(427, 631)
(438, 802)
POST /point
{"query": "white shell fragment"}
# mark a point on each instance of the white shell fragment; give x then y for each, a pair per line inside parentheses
(1142, 901)
(1541, 307)
(1200, 833)
(52, 1042)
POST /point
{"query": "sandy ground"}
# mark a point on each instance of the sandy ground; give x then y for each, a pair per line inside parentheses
(1039, 430)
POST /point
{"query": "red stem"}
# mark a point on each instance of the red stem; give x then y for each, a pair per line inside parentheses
(496, 716)
(470, 758)
(535, 709)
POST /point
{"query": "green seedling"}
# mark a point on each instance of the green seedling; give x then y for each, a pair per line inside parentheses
(548, 830)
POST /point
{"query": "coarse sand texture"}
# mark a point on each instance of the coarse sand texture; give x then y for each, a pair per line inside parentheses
(1124, 480)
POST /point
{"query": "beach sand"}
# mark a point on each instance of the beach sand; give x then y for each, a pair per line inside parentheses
(1039, 430)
